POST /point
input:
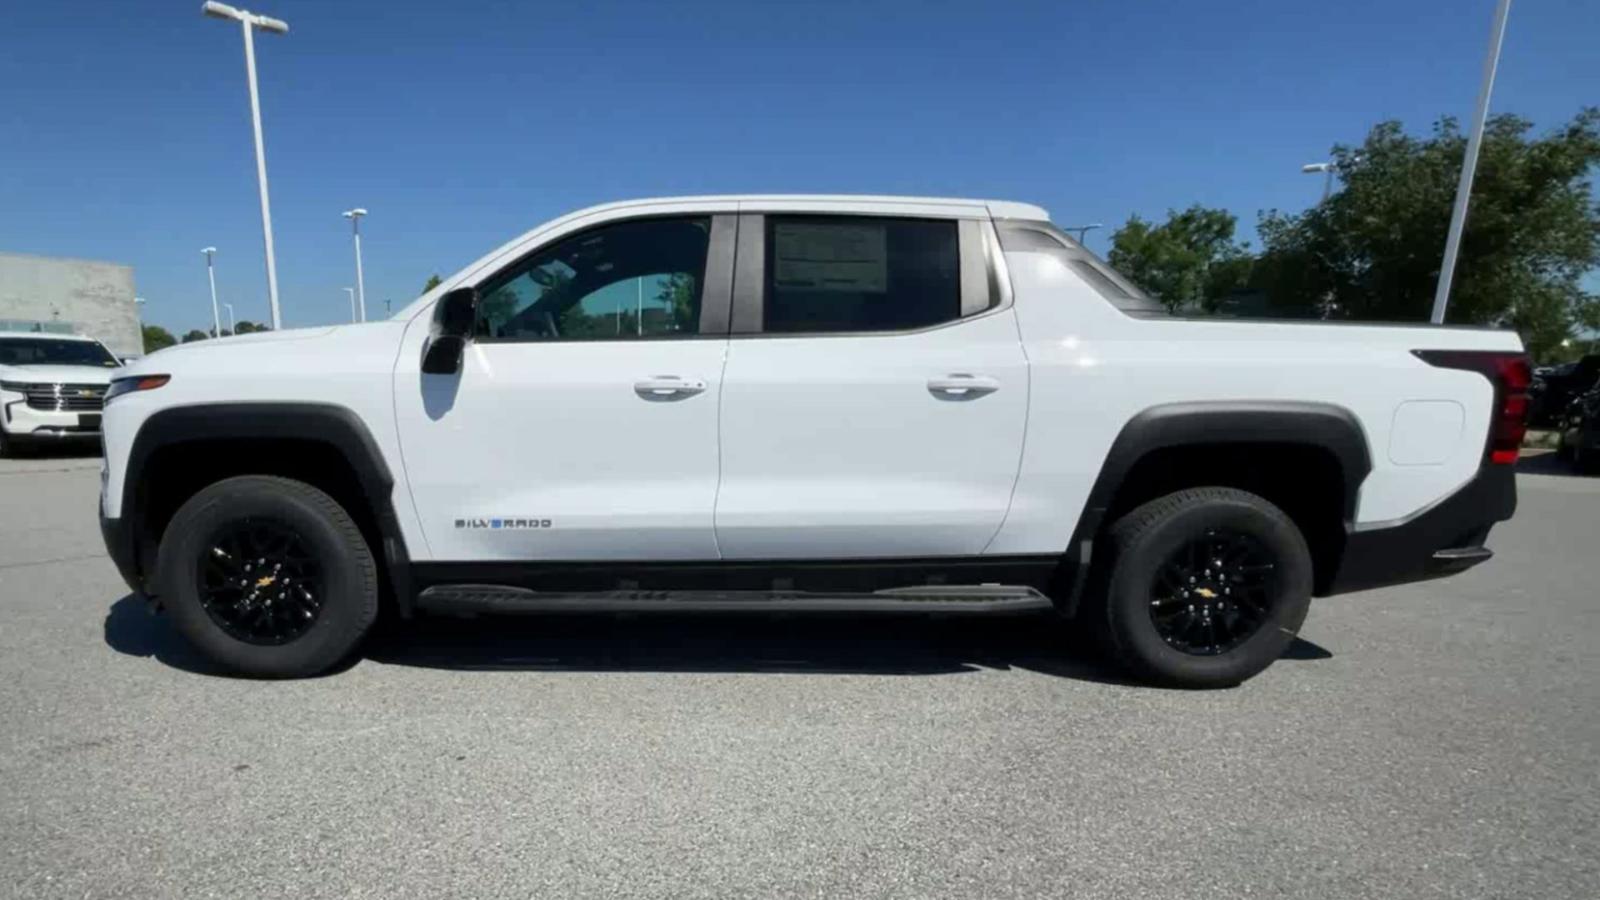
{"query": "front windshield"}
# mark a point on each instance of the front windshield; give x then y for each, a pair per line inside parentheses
(54, 352)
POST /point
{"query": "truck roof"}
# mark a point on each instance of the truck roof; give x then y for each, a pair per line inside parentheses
(45, 336)
(888, 203)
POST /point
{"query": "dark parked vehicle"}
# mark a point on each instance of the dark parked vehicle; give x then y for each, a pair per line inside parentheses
(1580, 432)
(1553, 390)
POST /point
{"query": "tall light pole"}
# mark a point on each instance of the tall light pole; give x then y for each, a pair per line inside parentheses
(354, 215)
(232, 328)
(1327, 183)
(1083, 230)
(1469, 165)
(352, 293)
(250, 21)
(211, 275)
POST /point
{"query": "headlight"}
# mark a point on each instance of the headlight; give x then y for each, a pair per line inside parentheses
(120, 386)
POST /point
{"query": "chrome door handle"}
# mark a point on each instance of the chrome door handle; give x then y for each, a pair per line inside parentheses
(667, 387)
(961, 386)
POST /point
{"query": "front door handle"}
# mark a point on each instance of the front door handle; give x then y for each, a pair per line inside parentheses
(960, 386)
(667, 387)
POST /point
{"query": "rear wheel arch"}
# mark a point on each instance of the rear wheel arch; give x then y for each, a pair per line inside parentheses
(1303, 457)
(181, 450)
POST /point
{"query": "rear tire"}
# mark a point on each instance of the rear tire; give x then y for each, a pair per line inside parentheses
(268, 577)
(1205, 588)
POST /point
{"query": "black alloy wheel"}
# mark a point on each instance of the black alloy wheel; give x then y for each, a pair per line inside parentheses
(260, 582)
(1213, 593)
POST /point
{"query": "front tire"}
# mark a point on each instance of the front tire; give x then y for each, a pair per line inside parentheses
(1206, 587)
(268, 577)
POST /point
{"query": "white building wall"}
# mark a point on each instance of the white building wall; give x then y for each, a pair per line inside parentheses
(90, 297)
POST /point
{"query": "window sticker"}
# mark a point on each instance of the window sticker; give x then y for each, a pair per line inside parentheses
(830, 258)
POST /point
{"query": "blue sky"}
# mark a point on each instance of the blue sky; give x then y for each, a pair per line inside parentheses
(124, 126)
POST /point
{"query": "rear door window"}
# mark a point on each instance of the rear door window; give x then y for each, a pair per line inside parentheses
(846, 274)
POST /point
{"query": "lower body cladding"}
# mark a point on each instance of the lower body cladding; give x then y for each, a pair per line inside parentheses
(1441, 540)
(1203, 587)
(1446, 538)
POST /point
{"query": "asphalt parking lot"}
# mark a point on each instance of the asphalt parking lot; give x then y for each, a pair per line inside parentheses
(1438, 740)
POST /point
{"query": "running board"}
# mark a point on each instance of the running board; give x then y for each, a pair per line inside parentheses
(985, 599)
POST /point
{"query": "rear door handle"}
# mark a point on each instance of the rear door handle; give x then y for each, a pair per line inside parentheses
(667, 387)
(960, 386)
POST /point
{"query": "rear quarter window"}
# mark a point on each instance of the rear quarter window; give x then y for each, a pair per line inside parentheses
(1043, 237)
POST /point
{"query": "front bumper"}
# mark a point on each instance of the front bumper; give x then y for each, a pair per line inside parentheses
(1443, 539)
(120, 547)
(23, 422)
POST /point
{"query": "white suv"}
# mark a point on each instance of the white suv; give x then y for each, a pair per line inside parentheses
(805, 403)
(52, 387)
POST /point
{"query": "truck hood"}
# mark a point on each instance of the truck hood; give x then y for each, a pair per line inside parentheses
(300, 351)
(255, 337)
(57, 374)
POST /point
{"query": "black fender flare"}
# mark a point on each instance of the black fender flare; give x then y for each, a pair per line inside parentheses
(1322, 425)
(325, 423)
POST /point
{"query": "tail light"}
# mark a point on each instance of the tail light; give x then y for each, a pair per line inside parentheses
(1510, 374)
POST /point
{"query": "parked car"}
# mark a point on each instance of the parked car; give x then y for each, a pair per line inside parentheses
(805, 404)
(1555, 389)
(1579, 439)
(52, 387)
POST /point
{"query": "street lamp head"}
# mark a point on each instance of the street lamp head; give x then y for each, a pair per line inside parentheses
(266, 23)
(1316, 167)
(220, 11)
(354, 213)
(208, 250)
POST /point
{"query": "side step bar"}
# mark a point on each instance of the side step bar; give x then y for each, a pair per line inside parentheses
(986, 599)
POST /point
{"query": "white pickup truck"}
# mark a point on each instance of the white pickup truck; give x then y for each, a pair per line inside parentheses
(775, 403)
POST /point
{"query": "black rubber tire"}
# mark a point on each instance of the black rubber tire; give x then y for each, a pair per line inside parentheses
(1141, 541)
(350, 594)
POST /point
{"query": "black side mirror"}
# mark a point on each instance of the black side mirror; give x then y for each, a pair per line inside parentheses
(453, 318)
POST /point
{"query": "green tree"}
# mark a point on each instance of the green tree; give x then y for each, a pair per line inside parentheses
(156, 338)
(433, 281)
(1190, 261)
(1372, 250)
(677, 292)
(245, 326)
(195, 334)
